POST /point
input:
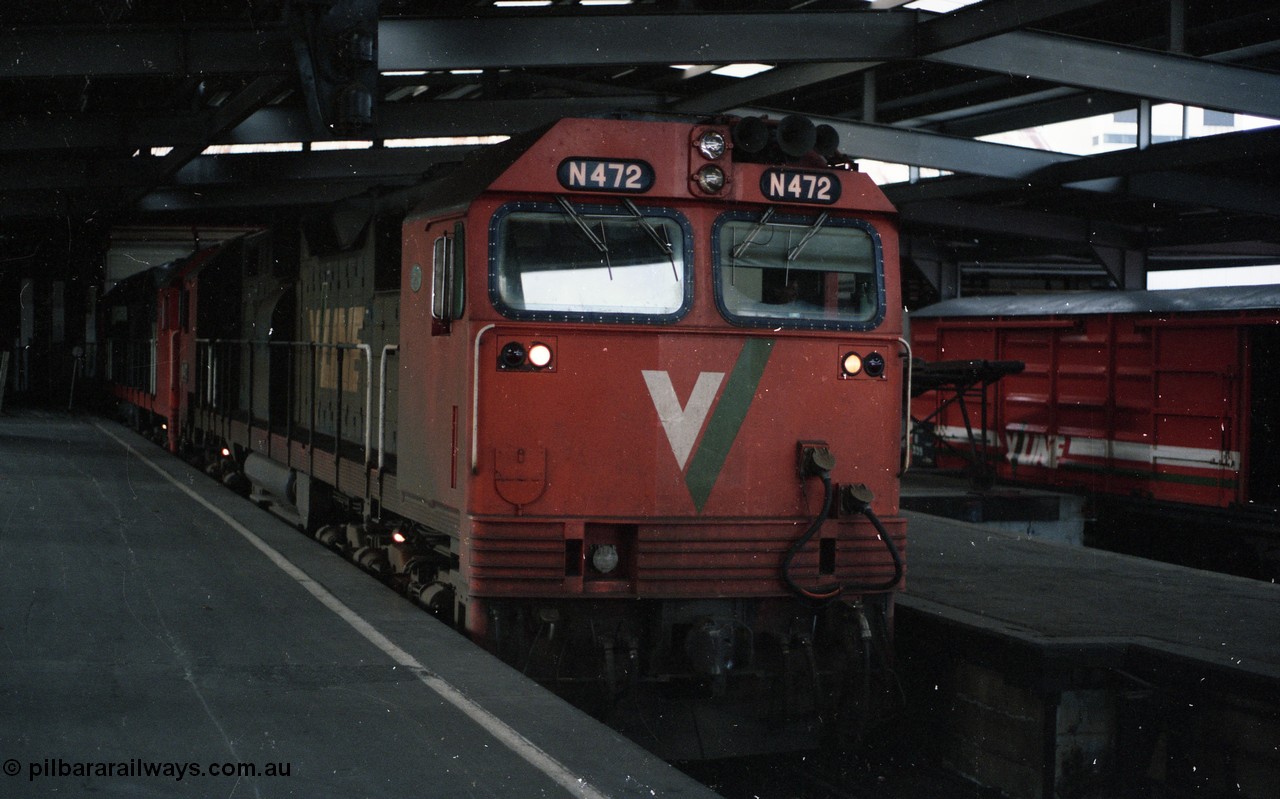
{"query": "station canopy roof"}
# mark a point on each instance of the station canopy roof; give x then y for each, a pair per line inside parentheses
(176, 111)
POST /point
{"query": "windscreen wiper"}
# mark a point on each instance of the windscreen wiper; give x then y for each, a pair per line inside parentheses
(582, 225)
(659, 238)
(648, 227)
(755, 231)
(810, 233)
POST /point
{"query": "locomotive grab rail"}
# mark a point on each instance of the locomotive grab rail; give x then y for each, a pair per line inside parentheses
(906, 411)
(382, 401)
(475, 400)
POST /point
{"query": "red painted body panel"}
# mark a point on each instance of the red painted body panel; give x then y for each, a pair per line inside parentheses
(607, 454)
(162, 398)
(1117, 403)
(656, 143)
(576, 455)
(601, 469)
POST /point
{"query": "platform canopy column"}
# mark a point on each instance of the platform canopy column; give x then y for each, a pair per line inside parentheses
(941, 268)
(1128, 268)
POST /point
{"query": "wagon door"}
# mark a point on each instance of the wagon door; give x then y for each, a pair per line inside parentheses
(1195, 456)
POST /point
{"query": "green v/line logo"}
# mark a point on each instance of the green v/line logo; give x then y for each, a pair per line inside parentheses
(684, 423)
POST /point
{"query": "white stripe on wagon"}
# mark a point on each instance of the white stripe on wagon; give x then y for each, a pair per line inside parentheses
(1073, 447)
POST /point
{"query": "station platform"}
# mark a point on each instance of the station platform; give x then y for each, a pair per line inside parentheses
(162, 637)
(1053, 594)
(1035, 513)
(1044, 669)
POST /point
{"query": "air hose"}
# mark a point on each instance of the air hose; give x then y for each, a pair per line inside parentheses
(856, 502)
(821, 594)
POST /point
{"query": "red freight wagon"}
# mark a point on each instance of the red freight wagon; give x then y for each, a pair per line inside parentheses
(1166, 396)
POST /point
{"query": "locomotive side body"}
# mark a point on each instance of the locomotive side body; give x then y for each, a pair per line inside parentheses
(147, 334)
(135, 346)
(297, 371)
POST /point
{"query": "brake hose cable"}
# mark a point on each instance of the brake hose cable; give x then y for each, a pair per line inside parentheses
(856, 504)
(823, 594)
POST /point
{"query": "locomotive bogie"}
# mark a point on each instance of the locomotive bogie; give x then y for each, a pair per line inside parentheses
(774, 675)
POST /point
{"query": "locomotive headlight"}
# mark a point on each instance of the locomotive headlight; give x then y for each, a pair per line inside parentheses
(539, 355)
(710, 179)
(398, 537)
(850, 364)
(604, 558)
(712, 145)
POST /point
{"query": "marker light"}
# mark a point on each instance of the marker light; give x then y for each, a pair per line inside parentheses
(710, 179)
(604, 558)
(226, 453)
(711, 144)
(539, 355)
(512, 355)
(851, 364)
(164, 425)
(874, 364)
(398, 537)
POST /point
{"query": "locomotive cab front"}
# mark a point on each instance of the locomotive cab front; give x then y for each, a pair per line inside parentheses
(658, 406)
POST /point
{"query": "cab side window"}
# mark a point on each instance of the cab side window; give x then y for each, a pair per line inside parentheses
(447, 280)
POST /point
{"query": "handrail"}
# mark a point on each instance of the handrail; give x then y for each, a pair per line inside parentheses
(367, 349)
(382, 402)
(906, 411)
(475, 401)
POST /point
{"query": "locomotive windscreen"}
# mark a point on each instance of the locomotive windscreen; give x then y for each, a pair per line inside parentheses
(818, 271)
(549, 261)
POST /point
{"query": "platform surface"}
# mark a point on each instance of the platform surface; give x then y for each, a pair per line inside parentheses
(1049, 593)
(144, 637)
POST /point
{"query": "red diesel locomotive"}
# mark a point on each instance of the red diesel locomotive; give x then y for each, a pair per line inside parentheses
(632, 415)
(145, 329)
(1160, 404)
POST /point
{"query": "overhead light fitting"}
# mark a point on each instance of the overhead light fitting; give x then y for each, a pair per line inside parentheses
(741, 70)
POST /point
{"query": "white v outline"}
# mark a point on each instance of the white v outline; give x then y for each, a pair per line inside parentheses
(682, 424)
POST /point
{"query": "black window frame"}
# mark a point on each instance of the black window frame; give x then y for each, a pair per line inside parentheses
(590, 209)
(792, 323)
